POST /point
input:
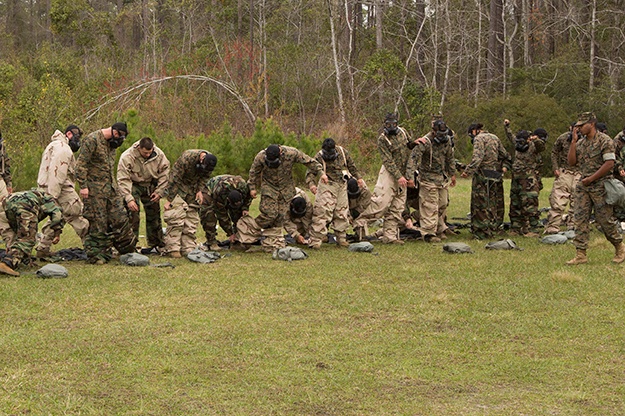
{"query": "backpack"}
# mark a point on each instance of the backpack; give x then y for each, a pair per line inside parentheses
(52, 270)
(134, 259)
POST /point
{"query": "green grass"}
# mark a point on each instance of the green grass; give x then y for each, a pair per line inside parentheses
(408, 330)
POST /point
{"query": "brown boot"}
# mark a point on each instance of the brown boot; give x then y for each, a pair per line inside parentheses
(341, 240)
(619, 255)
(580, 258)
(5, 269)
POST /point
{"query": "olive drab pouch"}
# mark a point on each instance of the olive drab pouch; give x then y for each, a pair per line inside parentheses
(457, 248)
(50, 271)
(505, 244)
(362, 247)
(615, 191)
(554, 239)
(289, 254)
(201, 256)
(134, 259)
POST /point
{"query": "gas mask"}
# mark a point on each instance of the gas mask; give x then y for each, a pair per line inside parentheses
(272, 156)
(74, 142)
(328, 150)
(297, 207)
(115, 142)
(521, 144)
(390, 125)
(441, 132)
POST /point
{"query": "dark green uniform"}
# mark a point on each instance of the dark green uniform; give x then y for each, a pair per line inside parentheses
(216, 208)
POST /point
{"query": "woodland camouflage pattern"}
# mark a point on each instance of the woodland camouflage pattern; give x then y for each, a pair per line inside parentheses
(214, 208)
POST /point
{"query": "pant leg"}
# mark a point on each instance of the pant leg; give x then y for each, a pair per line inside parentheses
(123, 238)
(98, 241)
(604, 213)
(583, 208)
(428, 208)
(383, 194)
(25, 237)
(208, 219)
(323, 212)
(516, 204)
(188, 240)
(153, 223)
(560, 197)
(393, 217)
(248, 231)
(174, 219)
(72, 208)
(443, 203)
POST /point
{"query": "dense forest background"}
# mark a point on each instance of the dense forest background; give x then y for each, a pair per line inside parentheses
(235, 75)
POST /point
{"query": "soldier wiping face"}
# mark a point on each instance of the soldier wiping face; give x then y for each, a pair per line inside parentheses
(328, 150)
(119, 132)
(234, 200)
(353, 190)
(297, 207)
(390, 125)
(272, 156)
(74, 137)
(206, 164)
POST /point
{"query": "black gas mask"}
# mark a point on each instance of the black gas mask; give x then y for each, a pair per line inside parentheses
(297, 207)
(328, 150)
(122, 131)
(272, 156)
(521, 143)
(353, 190)
(441, 132)
(74, 142)
(234, 201)
(390, 125)
(206, 166)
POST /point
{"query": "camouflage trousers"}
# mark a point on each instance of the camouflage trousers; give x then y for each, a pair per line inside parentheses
(561, 195)
(587, 198)
(486, 206)
(23, 225)
(388, 202)
(5, 231)
(433, 203)
(249, 231)
(153, 223)
(182, 220)
(331, 205)
(71, 207)
(209, 217)
(108, 226)
(524, 214)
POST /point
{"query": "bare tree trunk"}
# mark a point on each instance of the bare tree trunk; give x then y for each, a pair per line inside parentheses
(378, 24)
(350, 21)
(593, 28)
(478, 69)
(337, 69)
(263, 35)
(495, 43)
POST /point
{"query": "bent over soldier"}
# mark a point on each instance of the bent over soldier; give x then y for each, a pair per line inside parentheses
(272, 174)
(104, 206)
(142, 175)
(299, 217)
(331, 204)
(56, 177)
(24, 210)
(184, 197)
(489, 162)
(226, 199)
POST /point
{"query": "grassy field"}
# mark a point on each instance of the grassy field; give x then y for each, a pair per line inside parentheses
(406, 330)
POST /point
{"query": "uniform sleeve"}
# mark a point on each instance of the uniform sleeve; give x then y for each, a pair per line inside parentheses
(123, 177)
(256, 171)
(478, 156)
(313, 166)
(388, 161)
(555, 153)
(59, 166)
(247, 199)
(450, 161)
(6, 174)
(163, 175)
(414, 161)
(351, 166)
(52, 210)
(510, 135)
(175, 178)
(82, 164)
(311, 178)
(607, 149)
(503, 156)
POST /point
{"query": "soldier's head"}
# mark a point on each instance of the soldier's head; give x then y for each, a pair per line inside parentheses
(297, 207)
(353, 190)
(119, 131)
(391, 124)
(441, 132)
(328, 150)
(272, 156)
(521, 144)
(474, 129)
(206, 163)
(234, 200)
(146, 147)
(73, 134)
(586, 123)
(541, 134)
(602, 127)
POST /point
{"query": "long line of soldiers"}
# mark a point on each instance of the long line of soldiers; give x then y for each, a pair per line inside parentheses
(105, 212)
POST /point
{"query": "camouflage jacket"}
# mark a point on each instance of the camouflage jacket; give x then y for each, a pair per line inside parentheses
(36, 202)
(394, 152)
(334, 169)
(299, 226)
(434, 162)
(488, 153)
(153, 172)
(95, 167)
(58, 166)
(619, 144)
(560, 154)
(529, 161)
(358, 205)
(279, 181)
(5, 165)
(216, 195)
(184, 179)
(593, 153)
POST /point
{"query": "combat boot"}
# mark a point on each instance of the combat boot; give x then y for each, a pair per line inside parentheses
(341, 240)
(6, 269)
(42, 253)
(619, 255)
(580, 258)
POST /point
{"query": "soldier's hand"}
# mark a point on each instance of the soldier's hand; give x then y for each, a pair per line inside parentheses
(199, 197)
(361, 183)
(132, 205)
(253, 193)
(232, 238)
(504, 170)
(464, 175)
(586, 181)
(506, 122)
(556, 173)
(300, 239)
(621, 172)
(410, 184)
(56, 240)
(421, 140)
(313, 189)
(167, 205)
(402, 182)
(84, 193)
(155, 197)
(10, 189)
(324, 178)
(453, 181)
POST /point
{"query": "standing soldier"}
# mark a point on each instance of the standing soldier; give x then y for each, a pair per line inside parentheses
(272, 173)
(142, 174)
(563, 188)
(299, 217)
(331, 203)
(593, 152)
(489, 162)
(433, 160)
(184, 197)
(24, 210)
(525, 185)
(389, 195)
(226, 198)
(104, 206)
(56, 177)
(6, 186)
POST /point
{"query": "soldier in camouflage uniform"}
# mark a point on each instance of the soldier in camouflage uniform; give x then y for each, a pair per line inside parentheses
(184, 196)
(226, 199)
(525, 184)
(56, 177)
(24, 210)
(104, 206)
(6, 185)
(489, 162)
(272, 173)
(299, 217)
(359, 198)
(593, 152)
(433, 160)
(331, 203)
(142, 175)
(563, 188)
(389, 195)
